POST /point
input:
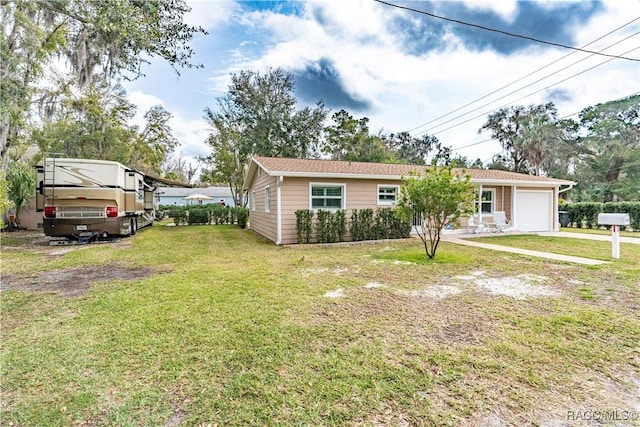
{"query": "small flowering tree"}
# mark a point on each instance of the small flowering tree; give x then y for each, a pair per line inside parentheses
(439, 197)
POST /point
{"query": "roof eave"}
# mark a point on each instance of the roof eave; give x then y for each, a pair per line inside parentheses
(326, 175)
(518, 182)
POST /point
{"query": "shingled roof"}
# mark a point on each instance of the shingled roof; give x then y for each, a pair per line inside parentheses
(317, 168)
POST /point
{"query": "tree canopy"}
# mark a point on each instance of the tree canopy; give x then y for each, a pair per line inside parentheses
(434, 199)
(610, 169)
(532, 136)
(94, 124)
(112, 36)
(258, 116)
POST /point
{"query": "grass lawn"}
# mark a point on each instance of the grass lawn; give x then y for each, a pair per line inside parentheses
(596, 249)
(212, 325)
(603, 231)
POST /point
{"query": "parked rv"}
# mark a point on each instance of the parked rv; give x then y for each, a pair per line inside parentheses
(90, 199)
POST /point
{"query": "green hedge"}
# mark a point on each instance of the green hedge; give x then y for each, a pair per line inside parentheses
(209, 213)
(365, 224)
(585, 214)
(304, 225)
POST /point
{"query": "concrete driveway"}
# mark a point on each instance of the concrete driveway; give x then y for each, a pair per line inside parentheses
(467, 240)
(601, 237)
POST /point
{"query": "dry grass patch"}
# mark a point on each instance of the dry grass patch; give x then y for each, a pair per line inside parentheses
(241, 332)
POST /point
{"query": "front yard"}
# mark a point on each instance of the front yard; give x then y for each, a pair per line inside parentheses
(211, 325)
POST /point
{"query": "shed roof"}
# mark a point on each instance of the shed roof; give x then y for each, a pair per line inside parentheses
(318, 168)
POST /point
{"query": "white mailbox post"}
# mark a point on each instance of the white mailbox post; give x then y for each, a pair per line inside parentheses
(615, 220)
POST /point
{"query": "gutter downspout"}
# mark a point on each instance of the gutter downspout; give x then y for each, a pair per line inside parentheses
(279, 210)
(566, 189)
(556, 226)
(480, 205)
(555, 214)
(514, 218)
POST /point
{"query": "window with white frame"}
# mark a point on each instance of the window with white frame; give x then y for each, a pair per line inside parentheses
(486, 201)
(388, 194)
(252, 202)
(267, 199)
(327, 196)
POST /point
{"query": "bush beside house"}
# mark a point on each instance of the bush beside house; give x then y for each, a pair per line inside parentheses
(365, 224)
(205, 214)
(585, 214)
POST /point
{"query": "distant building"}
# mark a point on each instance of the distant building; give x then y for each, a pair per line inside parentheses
(175, 196)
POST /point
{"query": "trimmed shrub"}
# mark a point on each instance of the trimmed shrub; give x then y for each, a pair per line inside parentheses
(324, 227)
(304, 225)
(586, 213)
(339, 225)
(219, 214)
(198, 215)
(363, 225)
(178, 213)
(242, 214)
(389, 225)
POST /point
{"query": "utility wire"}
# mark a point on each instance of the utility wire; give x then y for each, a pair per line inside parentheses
(533, 93)
(504, 32)
(528, 85)
(523, 77)
(491, 139)
(472, 144)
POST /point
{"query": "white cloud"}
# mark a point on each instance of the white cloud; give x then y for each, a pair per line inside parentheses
(191, 133)
(209, 14)
(504, 8)
(407, 89)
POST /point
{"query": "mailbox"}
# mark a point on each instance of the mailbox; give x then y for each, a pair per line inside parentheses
(613, 219)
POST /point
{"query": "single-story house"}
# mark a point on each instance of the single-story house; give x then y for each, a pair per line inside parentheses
(278, 187)
(176, 195)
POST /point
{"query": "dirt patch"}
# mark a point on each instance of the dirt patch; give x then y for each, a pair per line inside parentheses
(518, 287)
(338, 293)
(37, 242)
(399, 315)
(337, 271)
(438, 291)
(72, 282)
(373, 285)
(597, 399)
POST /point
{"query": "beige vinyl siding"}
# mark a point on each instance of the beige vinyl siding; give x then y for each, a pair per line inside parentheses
(358, 194)
(264, 223)
(502, 202)
(295, 196)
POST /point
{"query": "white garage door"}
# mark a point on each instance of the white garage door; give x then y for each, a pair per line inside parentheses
(533, 211)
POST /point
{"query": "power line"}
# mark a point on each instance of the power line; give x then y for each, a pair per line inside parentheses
(533, 93)
(503, 32)
(472, 144)
(523, 77)
(528, 85)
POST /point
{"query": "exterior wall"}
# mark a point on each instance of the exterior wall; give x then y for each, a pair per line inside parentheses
(502, 202)
(264, 223)
(29, 218)
(359, 194)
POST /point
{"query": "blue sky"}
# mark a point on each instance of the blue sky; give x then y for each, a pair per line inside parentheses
(403, 70)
